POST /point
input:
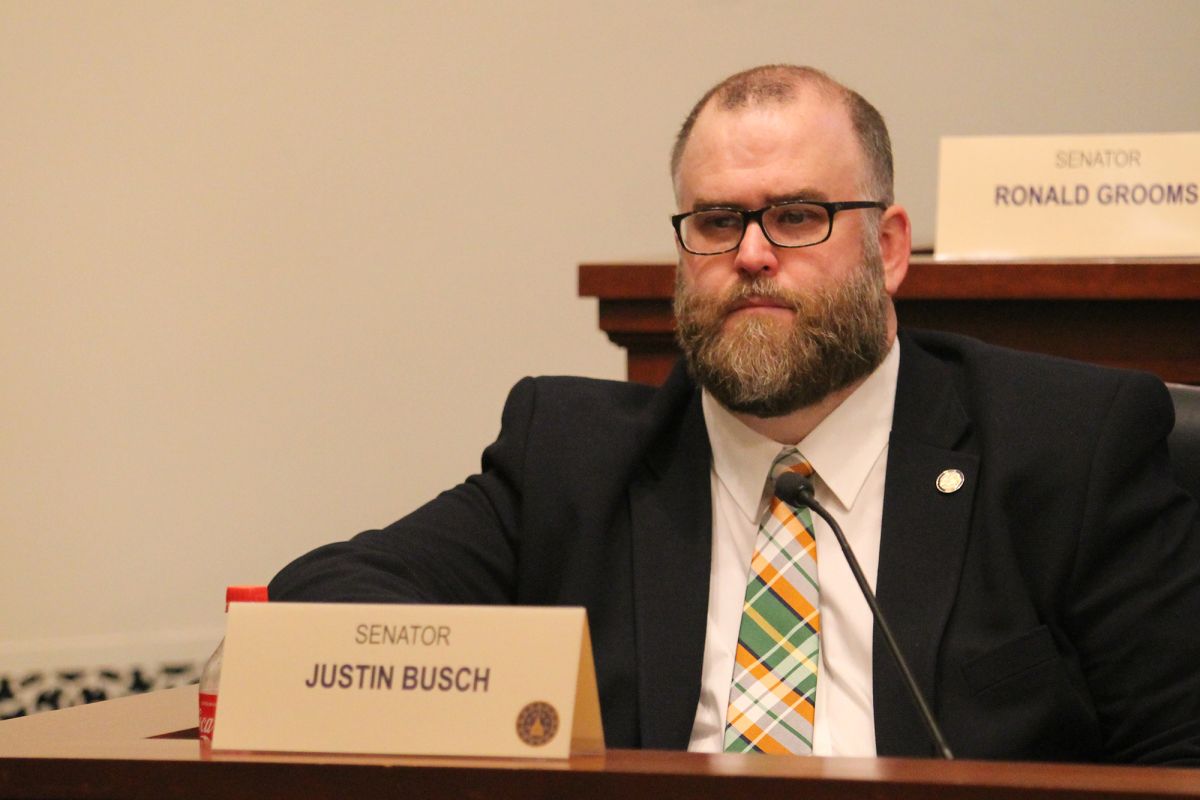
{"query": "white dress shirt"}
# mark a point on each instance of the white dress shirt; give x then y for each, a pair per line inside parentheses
(848, 451)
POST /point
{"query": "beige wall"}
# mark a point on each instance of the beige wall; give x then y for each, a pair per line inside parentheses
(268, 268)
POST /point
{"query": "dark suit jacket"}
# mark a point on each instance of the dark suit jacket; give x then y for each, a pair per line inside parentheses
(1048, 609)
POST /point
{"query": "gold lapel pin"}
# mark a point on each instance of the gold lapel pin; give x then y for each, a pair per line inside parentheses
(950, 481)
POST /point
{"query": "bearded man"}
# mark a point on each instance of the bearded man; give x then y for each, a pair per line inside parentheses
(1015, 514)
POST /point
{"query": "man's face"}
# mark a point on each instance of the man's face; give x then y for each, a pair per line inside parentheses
(767, 329)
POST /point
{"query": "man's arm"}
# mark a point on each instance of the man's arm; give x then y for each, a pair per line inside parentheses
(1134, 596)
(458, 548)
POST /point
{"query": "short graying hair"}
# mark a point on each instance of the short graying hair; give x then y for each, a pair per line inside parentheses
(778, 84)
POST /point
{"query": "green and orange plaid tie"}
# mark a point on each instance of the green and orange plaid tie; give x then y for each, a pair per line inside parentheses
(772, 699)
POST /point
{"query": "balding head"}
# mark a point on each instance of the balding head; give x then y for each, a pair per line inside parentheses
(780, 84)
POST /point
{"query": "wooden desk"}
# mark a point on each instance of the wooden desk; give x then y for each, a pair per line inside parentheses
(145, 747)
(1133, 313)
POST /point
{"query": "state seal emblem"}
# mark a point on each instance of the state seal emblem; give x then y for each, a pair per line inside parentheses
(537, 723)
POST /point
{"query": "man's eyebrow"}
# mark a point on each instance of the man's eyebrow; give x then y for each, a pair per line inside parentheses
(707, 205)
(796, 196)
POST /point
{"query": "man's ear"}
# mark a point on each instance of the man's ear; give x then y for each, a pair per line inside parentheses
(895, 246)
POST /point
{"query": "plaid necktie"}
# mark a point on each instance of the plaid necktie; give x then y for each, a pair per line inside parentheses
(773, 696)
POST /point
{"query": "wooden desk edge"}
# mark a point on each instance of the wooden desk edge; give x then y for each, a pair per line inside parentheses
(932, 279)
(61, 750)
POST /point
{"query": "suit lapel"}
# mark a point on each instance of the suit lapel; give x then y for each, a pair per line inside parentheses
(923, 542)
(670, 507)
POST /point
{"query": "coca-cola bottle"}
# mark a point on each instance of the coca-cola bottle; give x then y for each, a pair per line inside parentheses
(210, 678)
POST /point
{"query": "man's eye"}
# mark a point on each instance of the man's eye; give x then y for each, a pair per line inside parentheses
(794, 217)
(721, 221)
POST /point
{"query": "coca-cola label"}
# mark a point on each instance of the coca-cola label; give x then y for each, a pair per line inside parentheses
(208, 715)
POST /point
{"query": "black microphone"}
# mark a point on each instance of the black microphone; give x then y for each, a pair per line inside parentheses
(797, 490)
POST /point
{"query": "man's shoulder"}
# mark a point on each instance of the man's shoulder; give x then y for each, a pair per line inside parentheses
(594, 403)
(576, 390)
(1001, 386)
(986, 363)
(615, 423)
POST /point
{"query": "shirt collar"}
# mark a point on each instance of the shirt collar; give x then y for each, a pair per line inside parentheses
(842, 448)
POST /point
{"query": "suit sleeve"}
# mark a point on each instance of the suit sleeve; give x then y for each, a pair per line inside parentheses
(458, 548)
(1134, 596)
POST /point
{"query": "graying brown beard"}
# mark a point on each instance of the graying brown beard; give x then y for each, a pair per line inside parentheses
(760, 367)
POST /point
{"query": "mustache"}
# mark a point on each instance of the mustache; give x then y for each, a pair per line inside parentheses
(761, 289)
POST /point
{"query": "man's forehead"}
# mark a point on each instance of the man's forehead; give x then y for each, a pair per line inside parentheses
(812, 127)
(810, 111)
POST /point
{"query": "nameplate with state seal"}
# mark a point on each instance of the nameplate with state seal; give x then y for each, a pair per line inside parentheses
(1086, 196)
(427, 680)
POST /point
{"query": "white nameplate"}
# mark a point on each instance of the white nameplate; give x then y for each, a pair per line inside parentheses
(1068, 196)
(408, 679)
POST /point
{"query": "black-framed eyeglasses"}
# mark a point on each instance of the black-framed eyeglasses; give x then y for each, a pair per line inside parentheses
(800, 223)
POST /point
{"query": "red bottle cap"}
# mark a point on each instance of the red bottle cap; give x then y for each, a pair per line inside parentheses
(245, 594)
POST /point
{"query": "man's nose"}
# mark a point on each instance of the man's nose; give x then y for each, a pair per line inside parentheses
(756, 254)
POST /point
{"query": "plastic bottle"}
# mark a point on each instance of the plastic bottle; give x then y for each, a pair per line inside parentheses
(210, 678)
